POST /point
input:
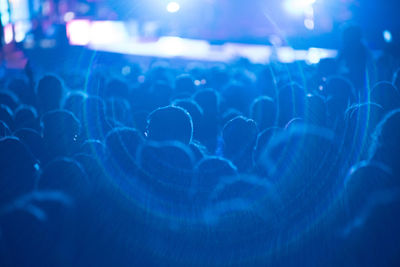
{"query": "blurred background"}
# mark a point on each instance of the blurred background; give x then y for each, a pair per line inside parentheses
(212, 30)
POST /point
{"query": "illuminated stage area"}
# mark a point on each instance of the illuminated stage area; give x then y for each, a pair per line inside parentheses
(112, 36)
(199, 133)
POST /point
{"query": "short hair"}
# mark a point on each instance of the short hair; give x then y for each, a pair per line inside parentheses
(170, 124)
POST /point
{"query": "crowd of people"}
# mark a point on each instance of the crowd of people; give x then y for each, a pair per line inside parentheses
(225, 164)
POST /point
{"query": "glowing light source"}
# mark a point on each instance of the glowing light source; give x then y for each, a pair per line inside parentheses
(173, 7)
(69, 16)
(387, 36)
(298, 7)
(314, 56)
(106, 32)
(309, 24)
(78, 32)
(21, 28)
(8, 34)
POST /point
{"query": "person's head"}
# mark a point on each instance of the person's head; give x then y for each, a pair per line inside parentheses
(218, 77)
(208, 99)
(61, 131)
(26, 117)
(386, 141)
(119, 110)
(291, 103)
(117, 88)
(122, 145)
(4, 129)
(18, 169)
(316, 111)
(24, 92)
(184, 85)
(386, 95)
(74, 102)
(170, 124)
(94, 148)
(160, 94)
(363, 116)
(303, 161)
(210, 171)
(167, 163)
(237, 96)
(239, 136)
(267, 81)
(7, 116)
(228, 115)
(33, 140)
(66, 175)
(339, 93)
(95, 125)
(9, 99)
(263, 112)
(263, 139)
(195, 112)
(49, 93)
(363, 180)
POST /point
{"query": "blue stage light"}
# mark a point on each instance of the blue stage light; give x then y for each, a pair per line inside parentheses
(387, 36)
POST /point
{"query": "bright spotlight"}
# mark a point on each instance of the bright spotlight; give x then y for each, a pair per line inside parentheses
(173, 7)
(309, 24)
(298, 7)
(387, 36)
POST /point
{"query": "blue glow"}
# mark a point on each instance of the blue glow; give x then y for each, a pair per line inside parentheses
(387, 36)
(298, 7)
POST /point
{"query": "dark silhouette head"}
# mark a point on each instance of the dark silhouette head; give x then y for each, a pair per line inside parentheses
(74, 102)
(362, 181)
(267, 82)
(94, 148)
(4, 130)
(160, 94)
(291, 103)
(167, 163)
(66, 175)
(26, 117)
(7, 116)
(208, 99)
(49, 93)
(386, 141)
(239, 136)
(195, 112)
(316, 111)
(170, 124)
(263, 112)
(61, 131)
(263, 139)
(210, 171)
(9, 99)
(17, 171)
(339, 95)
(119, 110)
(238, 96)
(117, 88)
(386, 95)
(94, 123)
(184, 85)
(33, 140)
(24, 92)
(122, 145)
